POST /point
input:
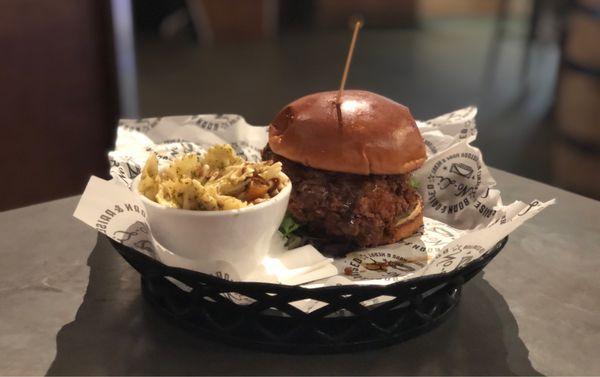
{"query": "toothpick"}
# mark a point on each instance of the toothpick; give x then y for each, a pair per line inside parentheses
(357, 27)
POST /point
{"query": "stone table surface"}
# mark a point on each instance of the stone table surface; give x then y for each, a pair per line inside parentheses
(70, 305)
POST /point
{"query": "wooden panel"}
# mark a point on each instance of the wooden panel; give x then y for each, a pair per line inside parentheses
(578, 106)
(377, 13)
(578, 96)
(237, 20)
(58, 97)
(583, 39)
(459, 7)
(592, 4)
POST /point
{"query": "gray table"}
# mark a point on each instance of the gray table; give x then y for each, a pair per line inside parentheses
(70, 305)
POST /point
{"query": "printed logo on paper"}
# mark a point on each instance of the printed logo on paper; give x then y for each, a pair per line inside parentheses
(117, 223)
(108, 215)
(402, 258)
(453, 182)
(124, 170)
(430, 146)
(214, 123)
(384, 264)
(388, 262)
(462, 115)
(140, 125)
(456, 257)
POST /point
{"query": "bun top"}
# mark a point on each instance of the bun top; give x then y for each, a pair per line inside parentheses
(366, 134)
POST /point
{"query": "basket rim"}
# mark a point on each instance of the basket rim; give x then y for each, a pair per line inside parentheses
(129, 253)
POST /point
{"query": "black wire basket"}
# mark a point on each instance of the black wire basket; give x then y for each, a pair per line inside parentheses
(211, 306)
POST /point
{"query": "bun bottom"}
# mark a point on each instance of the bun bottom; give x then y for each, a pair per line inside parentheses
(405, 228)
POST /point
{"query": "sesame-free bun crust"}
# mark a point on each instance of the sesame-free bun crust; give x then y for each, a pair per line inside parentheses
(374, 135)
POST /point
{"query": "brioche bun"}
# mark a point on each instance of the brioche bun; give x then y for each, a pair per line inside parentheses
(365, 134)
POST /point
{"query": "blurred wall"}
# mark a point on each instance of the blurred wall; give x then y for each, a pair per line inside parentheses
(58, 92)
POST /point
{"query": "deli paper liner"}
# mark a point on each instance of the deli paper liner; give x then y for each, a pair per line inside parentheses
(464, 213)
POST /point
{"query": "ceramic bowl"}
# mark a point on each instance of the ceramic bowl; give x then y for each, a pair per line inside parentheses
(231, 242)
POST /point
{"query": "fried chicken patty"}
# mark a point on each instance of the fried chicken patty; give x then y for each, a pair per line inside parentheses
(363, 209)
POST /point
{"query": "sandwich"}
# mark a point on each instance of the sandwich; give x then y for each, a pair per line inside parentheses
(350, 162)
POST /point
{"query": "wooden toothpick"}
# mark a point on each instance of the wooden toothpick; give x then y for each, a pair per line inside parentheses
(357, 27)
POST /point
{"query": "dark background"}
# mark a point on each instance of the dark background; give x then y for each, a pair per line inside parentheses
(71, 68)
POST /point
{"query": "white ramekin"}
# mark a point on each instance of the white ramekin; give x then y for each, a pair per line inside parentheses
(231, 242)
